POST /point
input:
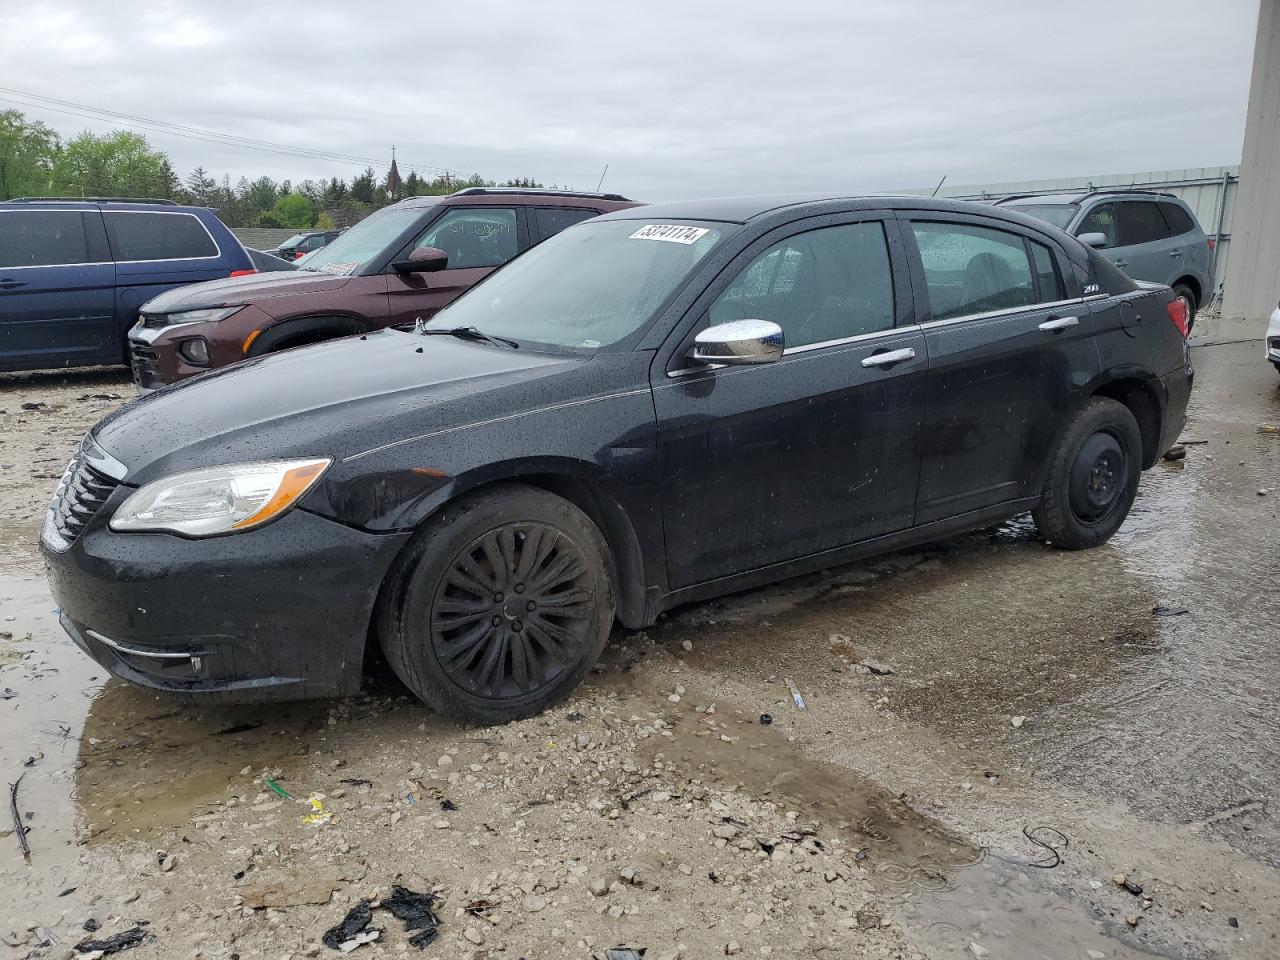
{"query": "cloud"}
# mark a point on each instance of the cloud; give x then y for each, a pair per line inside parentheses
(681, 99)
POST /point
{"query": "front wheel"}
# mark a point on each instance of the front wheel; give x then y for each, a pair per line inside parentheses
(1093, 476)
(500, 606)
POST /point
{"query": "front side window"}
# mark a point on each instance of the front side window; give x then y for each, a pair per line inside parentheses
(1101, 219)
(1141, 222)
(158, 236)
(971, 269)
(484, 237)
(823, 285)
(42, 238)
(587, 287)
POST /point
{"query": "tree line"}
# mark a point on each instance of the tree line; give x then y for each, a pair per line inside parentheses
(36, 162)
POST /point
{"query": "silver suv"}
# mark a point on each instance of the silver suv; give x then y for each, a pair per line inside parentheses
(1150, 236)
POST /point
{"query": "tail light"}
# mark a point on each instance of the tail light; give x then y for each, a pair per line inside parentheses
(1178, 314)
(1212, 243)
(298, 254)
(243, 273)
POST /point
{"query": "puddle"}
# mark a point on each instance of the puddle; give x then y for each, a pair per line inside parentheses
(953, 892)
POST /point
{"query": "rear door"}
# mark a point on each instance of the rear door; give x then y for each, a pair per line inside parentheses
(156, 251)
(477, 239)
(1009, 345)
(1147, 244)
(57, 288)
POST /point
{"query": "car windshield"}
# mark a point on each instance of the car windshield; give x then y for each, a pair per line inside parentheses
(588, 287)
(1058, 214)
(351, 251)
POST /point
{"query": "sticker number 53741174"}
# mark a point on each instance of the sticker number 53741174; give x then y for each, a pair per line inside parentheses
(670, 232)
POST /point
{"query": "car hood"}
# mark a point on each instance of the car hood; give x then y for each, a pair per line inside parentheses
(233, 291)
(337, 399)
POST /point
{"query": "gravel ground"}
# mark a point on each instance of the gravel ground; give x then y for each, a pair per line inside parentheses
(997, 738)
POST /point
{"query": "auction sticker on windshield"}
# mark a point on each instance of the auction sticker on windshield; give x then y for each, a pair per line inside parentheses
(339, 269)
(670, 232)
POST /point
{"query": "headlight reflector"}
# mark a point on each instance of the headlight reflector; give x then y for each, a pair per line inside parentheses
(195, 351)
(209, 315)
(214, 500)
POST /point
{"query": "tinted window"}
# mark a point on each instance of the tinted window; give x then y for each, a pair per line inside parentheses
(158, 236)
(551, 220)
(1046, 273)
(1101, 219)
(973, 269)
(474, 238)
(34, 238)
(822, 285)
(1179, 220)
(1140, 222)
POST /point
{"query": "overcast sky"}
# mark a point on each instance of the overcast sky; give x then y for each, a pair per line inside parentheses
(681, 99)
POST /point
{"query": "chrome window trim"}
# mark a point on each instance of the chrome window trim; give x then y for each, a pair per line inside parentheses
(1007, 312)
(167, 213)
(803, 348)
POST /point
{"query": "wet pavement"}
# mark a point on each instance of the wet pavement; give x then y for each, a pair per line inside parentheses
(993, 732)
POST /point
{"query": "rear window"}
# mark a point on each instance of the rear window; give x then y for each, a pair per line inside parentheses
(1180, 221)
(42, 238)
(158, 236)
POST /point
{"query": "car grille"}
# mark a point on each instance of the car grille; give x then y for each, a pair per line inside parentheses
(79, 495)
(145, 363)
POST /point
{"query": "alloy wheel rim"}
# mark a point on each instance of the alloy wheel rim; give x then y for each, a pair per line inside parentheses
(513, 612)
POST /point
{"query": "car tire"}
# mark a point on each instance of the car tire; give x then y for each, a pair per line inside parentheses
(1187, 296)
(1092, 477)
(498, 608)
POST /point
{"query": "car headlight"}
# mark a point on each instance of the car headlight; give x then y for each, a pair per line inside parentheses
(214, 500)
(209, 315)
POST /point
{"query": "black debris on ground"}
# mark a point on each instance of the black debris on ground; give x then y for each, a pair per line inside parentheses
(125, 940)
(237, 728)
(92, 926)
(765, 719)
(355, 921)
(1169, 611)
(624, 953)
(414, 911)
(448, 806)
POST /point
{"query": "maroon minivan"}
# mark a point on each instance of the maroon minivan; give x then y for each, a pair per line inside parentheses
(404, 262)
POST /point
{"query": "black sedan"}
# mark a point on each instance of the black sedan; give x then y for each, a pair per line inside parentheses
(652, 407)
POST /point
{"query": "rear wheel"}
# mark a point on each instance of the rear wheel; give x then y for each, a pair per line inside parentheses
(1093, 476)
(1188, 297)
(500, 606)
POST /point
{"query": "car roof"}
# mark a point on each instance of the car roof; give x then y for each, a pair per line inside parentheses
(99, 203)
(746, 209)
(484, 196)
(1079, 196)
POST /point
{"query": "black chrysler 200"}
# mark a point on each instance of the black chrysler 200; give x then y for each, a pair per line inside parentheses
(650, 408)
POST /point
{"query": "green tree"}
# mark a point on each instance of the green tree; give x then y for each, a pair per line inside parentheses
(28, 152)
(294, 210)
(118, 164)
(363, 186)
(201, 187)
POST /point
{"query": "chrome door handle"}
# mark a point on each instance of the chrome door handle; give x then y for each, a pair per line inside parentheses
(1121, 263)
(889, 358)
(1175, 253)
(1054, 324)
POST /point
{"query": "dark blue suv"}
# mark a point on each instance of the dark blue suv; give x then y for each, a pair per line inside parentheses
(74, 272)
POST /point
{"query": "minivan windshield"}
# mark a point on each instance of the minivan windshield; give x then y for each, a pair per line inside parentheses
(351, 251)
(1058, 214)
(587, 287)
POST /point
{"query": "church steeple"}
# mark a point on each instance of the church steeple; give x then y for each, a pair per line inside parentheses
(393, 176)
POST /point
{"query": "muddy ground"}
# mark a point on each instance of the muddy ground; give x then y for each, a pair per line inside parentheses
(1042, 738)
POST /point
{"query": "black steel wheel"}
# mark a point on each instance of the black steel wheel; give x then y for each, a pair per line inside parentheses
(499, 606)
(1092, 476)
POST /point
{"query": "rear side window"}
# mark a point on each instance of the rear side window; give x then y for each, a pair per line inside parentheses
(551, 220)
(822, 285)
(972, 269)
(158, 236)
(42, 238)
(1048, 282)
(1179, 220)
(1140, 222)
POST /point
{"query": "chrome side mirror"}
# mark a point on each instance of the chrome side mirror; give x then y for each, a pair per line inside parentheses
(1096, 240)
(739, 342)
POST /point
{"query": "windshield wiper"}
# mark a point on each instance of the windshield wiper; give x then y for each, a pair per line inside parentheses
(465, 333)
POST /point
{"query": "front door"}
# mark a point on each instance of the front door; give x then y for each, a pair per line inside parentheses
(477, 240)
(820, 449)
(1008, 349)
(57, 290)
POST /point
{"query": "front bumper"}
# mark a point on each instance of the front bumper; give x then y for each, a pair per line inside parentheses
(279, 613)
